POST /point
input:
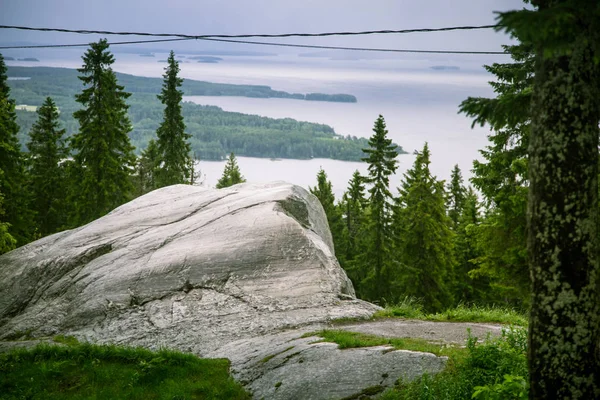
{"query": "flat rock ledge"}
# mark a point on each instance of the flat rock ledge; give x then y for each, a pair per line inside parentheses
(240, 273)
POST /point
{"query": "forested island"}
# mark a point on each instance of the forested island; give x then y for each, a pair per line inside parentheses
(215, 133)
(66, 79)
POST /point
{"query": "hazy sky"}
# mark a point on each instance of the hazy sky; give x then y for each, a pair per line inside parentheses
(263, 16)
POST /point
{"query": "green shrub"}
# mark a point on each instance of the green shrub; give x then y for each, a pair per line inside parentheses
(512, 388)
(482, 369)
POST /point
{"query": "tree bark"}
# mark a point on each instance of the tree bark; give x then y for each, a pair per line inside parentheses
(564, 329)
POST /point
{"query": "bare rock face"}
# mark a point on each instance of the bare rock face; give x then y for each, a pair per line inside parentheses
(182, 267)
(194, 269)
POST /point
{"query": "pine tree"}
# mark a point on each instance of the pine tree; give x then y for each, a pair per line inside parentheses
(324, 192)
(46, 152)
(17, 218)
(562, 215)
(456, 195)
(469, 286)
(502, 176)
(231, 174)
(103, 155)
(7, 241)
(376, 259)
(353, 207)
(173, 144)
(147, 168)
(423, 235)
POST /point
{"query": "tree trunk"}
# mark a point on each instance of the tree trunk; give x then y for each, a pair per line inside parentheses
(564, 329)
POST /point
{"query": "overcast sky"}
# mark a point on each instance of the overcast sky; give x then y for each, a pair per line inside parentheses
(263, 16)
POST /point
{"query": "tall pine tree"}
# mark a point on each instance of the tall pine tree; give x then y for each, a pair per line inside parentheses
(231, 174)
(147, 168)
(423, 235)
(501, 176)
(376, 260)
(353, 207)
(469, 285)
(47, 150)
(7, 241)
(17, 218)
(324, 192)
(173, 144)
(103, 155)
(456, 195)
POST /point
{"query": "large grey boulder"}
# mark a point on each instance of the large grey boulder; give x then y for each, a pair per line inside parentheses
(184, 267)
(234, 273)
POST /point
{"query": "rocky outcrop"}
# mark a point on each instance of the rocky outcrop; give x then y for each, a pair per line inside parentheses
(233, 273)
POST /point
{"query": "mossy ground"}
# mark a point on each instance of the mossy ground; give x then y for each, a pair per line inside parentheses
(86, 371)
(347, 340)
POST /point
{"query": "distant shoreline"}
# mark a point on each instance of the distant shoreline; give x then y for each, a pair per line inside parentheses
(190, 87)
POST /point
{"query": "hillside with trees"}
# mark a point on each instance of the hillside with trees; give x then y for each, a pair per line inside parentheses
(214, 132)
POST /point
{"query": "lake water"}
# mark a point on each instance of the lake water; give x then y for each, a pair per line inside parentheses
(419, 105)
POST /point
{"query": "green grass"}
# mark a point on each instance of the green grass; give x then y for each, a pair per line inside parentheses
(85, 371)
(411, 309)
(348, 340)
(496, 368)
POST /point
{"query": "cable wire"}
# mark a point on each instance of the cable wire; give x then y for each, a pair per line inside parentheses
(279, 35)
(227, 39)
(306, 46)
(356, 48)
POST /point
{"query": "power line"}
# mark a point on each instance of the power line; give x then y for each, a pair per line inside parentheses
(279, 35)
(305, 46)
(227, 39)
(356, 48)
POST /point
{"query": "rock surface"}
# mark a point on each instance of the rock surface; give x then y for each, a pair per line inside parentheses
(239, 273)
(287, 365)
(446, 332)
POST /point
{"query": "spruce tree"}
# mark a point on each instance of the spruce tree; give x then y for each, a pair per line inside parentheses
(469, 285)
(456, 195)
(501, 177)
(562, 214)
(231, 174)
(7, 241)
(103, 155)
(324, 192)
(424, 238)
(147, 168)
(173, 144)
(376, 260)
(47, 176)
(17, 218)
(354, 207)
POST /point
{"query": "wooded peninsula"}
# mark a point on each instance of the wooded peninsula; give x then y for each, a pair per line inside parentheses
(215, 133)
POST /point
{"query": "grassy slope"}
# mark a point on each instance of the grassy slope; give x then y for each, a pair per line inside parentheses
(496, 368)
(85, 371)
(348, 340)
